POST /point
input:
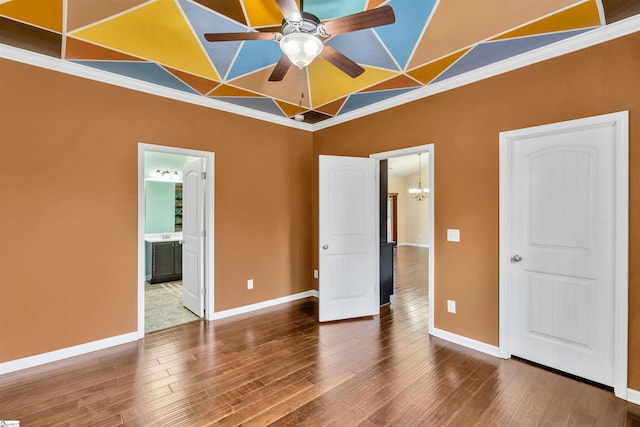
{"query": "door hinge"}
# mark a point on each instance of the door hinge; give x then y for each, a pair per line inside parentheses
(204, 175)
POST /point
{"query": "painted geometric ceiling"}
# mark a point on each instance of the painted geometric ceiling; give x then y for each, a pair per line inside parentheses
(162, 42)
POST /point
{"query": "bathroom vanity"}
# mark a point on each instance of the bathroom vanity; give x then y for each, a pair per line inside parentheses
(164, 257)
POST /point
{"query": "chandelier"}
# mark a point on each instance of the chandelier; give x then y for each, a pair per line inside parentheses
(419, 193)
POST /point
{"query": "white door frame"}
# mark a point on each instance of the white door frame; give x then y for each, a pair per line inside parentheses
(208, 222)
(428, 148)
(620, 122)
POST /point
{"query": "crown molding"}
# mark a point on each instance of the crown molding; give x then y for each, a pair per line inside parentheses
(83, 71)
(573, 44)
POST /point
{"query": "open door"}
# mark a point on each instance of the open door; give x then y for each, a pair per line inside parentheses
(193, 236)
(348, 237)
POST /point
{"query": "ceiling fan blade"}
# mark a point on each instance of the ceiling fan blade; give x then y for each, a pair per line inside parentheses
(341, 61)
(230, 37)
(359, 21)
(290, 10)
(280, 69)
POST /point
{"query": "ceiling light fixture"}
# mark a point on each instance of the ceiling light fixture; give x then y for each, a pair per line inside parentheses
(300, 40)
(301, 48)
(419, 193)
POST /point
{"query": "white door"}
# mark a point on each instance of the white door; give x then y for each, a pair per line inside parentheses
(348, 237)
(562, 228)
(193, 236)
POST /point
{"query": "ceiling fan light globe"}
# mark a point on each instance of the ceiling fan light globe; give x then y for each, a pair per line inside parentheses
(301, 48)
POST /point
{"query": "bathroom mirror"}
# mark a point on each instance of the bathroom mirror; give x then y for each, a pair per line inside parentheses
(163, 207)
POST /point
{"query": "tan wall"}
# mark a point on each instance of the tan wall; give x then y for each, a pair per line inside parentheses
(416, 214)
(68, 197)
(464, 125)
(413, 216)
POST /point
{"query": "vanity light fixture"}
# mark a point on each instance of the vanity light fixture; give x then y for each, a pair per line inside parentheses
(167, 174)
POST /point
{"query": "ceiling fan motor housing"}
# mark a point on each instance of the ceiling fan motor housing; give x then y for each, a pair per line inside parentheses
(310, 24)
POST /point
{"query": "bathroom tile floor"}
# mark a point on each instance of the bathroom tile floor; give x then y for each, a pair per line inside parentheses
(163, 306)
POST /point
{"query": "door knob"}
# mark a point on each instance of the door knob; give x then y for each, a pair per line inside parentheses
(325, 247)
(516, 258)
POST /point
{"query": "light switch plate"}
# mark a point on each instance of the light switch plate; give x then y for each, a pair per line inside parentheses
(451, 306)
(315, 274)
(453, 235)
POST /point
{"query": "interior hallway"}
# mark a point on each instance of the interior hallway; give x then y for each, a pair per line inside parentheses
(411, 279)
(279, 366)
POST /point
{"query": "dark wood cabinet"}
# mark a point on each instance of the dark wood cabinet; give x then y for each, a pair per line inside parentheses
(166, 261)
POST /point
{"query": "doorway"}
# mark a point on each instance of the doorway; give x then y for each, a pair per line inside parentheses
(160, 236)
(563, 247)
(403, 165)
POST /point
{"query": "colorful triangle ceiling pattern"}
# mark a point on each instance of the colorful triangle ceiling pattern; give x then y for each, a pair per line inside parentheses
(162, 42)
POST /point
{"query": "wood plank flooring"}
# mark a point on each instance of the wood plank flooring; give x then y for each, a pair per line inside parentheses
(280, 367)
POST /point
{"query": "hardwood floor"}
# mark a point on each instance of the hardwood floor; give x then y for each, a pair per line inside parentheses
(280, 367)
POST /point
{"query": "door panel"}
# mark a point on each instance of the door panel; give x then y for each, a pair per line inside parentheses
(560, 308)
(562, 226)
(562, 182)
(193, 237)
(348, 238)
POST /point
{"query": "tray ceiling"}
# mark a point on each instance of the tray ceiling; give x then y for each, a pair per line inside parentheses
(161, 42)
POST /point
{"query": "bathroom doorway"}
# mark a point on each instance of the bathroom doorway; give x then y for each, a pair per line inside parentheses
(161, 243)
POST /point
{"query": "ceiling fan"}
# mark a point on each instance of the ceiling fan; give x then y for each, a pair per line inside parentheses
(302, 34)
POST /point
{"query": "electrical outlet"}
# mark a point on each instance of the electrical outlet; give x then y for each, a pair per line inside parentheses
(451, 306)
(250, 284)
(315, 274)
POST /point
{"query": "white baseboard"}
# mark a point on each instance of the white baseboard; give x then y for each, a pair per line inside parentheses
(315, 294)
(466, 342)
(263, 304)
(417, 245)
(76, 350)
(64, 353)
(633, 396)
